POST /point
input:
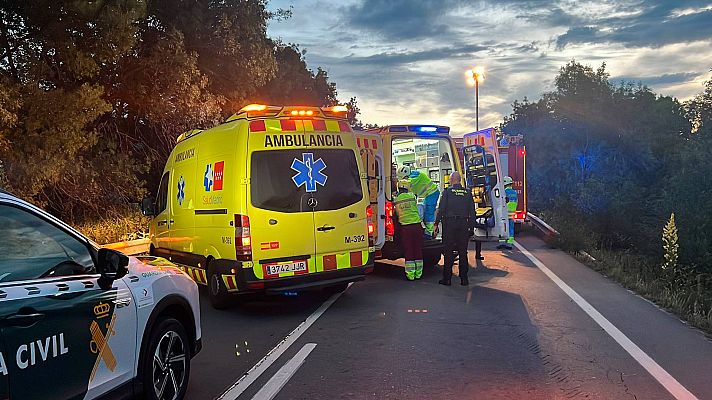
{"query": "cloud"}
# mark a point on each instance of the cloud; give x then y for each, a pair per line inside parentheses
(402, 19)
(654, 27)
(665, 79)
(405, 59)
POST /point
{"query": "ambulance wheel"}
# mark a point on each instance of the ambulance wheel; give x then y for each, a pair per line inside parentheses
(431, 259)
(217, 292)
(166, 362)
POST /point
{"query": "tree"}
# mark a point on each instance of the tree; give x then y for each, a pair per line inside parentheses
(594, 148)
(54, 54)
(295, 84)
(94, 94)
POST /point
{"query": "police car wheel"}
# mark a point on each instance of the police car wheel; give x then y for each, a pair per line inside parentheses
(217, 292)
(167, 359)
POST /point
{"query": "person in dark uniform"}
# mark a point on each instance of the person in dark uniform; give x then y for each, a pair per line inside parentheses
(457, 213)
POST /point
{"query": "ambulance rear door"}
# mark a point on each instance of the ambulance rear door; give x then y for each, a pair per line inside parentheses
(279, 205)
(341, 199)
(481, 153)
(371, 151)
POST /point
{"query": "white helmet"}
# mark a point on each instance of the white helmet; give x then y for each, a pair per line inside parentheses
(507, 180)
(404, 171)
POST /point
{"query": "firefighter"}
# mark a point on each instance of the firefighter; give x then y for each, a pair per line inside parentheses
(423, 188)
(411, 232)
(457, 213)
(510, 196)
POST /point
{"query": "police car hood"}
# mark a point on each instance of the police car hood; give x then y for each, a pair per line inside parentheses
(145, 266)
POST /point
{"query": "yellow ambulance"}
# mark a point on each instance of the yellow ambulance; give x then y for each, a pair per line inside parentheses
(274, 200)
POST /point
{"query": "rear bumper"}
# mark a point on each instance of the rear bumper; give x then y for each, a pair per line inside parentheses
(247, 282)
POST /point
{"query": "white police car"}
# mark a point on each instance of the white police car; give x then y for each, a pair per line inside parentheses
(79, 322)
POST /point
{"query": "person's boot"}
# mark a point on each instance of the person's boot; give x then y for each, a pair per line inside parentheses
(464, 281)
(445, 282)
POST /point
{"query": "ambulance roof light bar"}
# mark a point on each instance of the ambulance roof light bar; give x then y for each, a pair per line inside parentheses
(337, 111)
(253, 107)
(420, 129)
(256, 110)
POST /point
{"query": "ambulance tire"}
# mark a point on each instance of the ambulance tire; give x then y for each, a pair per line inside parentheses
(217, 292)
(166, 330)
(431, 259)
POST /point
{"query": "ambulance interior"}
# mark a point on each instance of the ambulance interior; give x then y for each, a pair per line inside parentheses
(432, 156)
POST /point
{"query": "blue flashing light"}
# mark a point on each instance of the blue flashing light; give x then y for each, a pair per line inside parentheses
(427, 128)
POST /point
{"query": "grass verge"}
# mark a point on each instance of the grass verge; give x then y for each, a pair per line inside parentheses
(685, 292)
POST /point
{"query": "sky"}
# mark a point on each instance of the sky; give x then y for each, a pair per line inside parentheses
(405, 60)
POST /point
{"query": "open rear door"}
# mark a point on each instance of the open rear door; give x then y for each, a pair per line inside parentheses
(483, 176)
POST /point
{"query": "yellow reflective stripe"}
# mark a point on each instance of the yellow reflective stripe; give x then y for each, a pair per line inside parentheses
(299, 125)
(273, 125)
(364, 257)
(332, 126)
(343, 260)
(308, 126)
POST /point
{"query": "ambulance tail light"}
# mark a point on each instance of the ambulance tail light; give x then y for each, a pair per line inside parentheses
(371, 226)
(390, 227)
(243, 240)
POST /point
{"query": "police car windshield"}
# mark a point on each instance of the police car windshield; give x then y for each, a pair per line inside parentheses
(285, 180)
(31, 247)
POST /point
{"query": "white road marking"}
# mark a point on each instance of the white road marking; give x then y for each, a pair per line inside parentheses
(277, 382)
(663, 377)
(258, 369)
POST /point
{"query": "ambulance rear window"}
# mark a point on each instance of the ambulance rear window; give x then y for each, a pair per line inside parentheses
(285, 180)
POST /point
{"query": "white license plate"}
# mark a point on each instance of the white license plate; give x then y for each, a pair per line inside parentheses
(276, 269)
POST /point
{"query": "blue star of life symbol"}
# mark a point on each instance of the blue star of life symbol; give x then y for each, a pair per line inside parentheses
(208, 179)
(309, 172)
(181, 190)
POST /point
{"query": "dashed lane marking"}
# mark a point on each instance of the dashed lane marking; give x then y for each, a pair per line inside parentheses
(663, 377)
(258, 369)
(277, 382)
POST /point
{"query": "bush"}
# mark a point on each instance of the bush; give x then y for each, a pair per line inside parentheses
(130, 225)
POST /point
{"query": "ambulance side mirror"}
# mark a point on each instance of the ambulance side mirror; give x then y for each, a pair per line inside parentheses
(148, 206)
(111, 265)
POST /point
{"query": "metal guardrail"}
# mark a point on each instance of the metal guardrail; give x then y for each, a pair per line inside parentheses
(131, 247)
(545, 229)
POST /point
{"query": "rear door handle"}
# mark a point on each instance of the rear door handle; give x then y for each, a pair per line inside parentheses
(325, 228)
(23, 320)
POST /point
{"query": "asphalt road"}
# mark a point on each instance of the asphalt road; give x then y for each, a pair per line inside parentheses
(512, 334)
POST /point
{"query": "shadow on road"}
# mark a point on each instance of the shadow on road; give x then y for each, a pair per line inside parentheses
(269, 305)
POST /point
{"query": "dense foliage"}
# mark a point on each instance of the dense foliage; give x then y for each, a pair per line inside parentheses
(623, 174)
(616, 160)
(93, 94)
